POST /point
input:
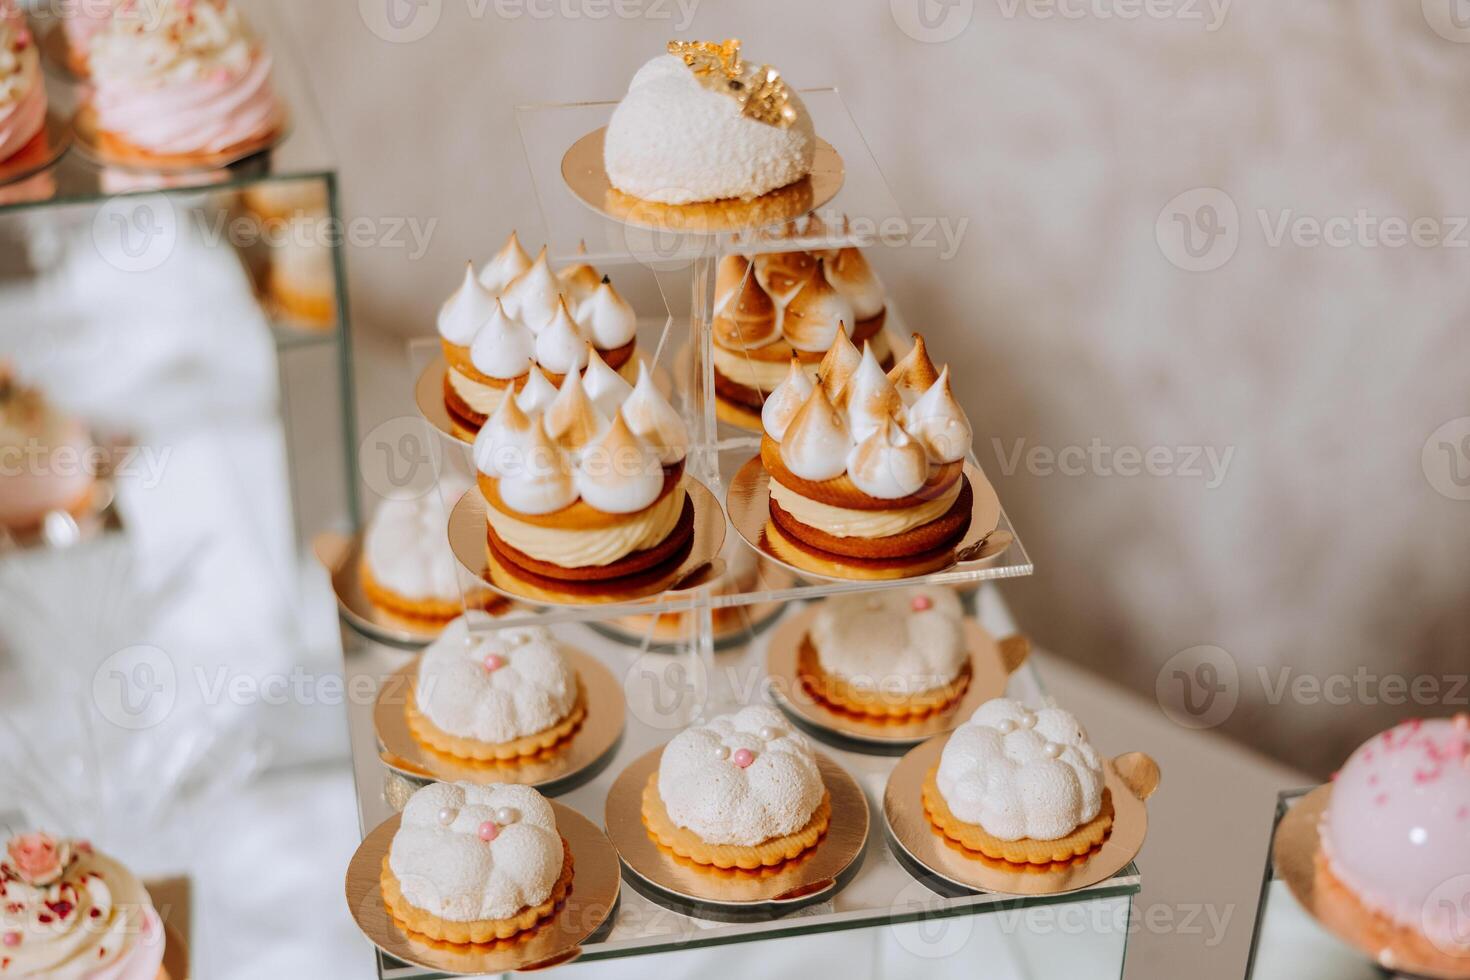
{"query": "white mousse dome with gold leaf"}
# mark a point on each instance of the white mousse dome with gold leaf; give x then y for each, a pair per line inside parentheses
(494, 685)
(679, 135)
(465, 853)
(741, 779)
(1021, 773)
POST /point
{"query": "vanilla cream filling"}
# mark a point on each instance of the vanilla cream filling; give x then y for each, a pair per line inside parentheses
(580, 548)
(485, 399)
(844, 522)
(766, 375)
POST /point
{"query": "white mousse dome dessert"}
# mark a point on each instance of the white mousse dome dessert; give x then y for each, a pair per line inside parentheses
(895, 653)
(700, 124)
(1021, 785)
(742, 791)
(473, 864)
(483, 693)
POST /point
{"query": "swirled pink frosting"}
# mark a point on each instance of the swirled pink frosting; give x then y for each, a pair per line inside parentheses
(197, 115)
(83, 20)
(22, 89)
(21, 121)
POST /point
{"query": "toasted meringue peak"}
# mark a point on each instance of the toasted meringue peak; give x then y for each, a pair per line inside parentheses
(782, 274)
(651, 418)
(915, 374)
(578, 282)
(604, 386)
(937, 421)
(786, 400)
(538, 479)
(465, 312)
(560, 346)
(607, 319)
(871, 399)
(537, 394)
(816, 315)
(619, 473)
(534, 294)
(838, 364)
(745, 317)
(850, 273)
(504, 347)
(508, 263)
(888, 464)
(817, 442)
(504, 438)
(571, 419)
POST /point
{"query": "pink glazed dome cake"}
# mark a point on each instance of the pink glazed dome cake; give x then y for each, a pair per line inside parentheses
(1396, 835)
(181, 78)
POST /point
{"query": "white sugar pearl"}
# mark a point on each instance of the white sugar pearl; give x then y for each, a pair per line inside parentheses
(1005, 726)
(722, 752)
(446, 816)
(768, 733)
(1052, 750)
(1028, 720)
(505, 816)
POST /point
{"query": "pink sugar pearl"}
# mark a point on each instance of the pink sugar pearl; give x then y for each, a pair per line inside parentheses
(922, 603)
(743, 757)
(488, 831)
(12, 939)
(494, 661)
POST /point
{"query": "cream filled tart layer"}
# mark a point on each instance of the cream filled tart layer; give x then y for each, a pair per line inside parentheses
(591, 486)
(867, 463)
(518, 329)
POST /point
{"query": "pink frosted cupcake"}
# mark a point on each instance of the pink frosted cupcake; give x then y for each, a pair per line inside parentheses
(44, 459)
(81, 21)
(68, 912)
(181, 78)
(1396, 835)
(22, 89)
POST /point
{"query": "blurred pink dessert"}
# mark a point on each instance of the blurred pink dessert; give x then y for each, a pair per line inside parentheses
(179, 78)
(45, 462)
(22, 89)
(1396, 833)
(81, 20)
(69, 912)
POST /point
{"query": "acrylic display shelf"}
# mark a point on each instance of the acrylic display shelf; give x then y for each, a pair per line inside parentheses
(1081, 935)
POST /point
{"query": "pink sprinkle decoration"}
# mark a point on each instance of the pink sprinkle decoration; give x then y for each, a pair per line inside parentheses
(921, 603)
(220, 76)
(488, 831)
(1381, 799)
(494, 661)
(1463, 813)
(743, 757)
(12, 939)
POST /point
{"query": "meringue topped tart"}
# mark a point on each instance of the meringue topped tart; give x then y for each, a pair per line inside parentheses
(899, 653)
(408, 568)
(743, 791)
(180, 78)
(701, 124)
(488, 695)
(475, 864)
(71, 913)
(865, 463)
(589, 486)
(773, 307)
(22, 87)
(1020, 785)
(517, 319)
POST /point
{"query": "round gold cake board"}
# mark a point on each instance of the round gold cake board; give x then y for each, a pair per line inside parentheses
(566, 765)
(701, 564)
(91, 146)
(583, 170)
(553, 942)
(733, 625)
(47, 147)
(1130, 779)
(991, 664)
(748, 503)
(341, 554)
(734, 894)
(1294, 852)
(175, 955)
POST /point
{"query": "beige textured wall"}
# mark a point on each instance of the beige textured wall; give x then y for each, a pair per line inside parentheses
(1061, 132)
